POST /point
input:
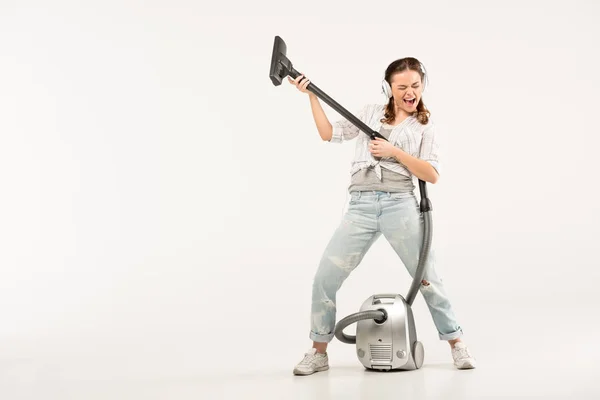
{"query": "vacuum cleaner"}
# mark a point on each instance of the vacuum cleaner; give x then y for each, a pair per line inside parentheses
(386, 337)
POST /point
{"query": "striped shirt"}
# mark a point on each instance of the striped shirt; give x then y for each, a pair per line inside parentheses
(410, 135)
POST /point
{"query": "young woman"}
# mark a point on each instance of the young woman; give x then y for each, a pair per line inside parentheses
(382, 202)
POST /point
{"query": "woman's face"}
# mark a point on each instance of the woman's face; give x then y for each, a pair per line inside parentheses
(407, 90)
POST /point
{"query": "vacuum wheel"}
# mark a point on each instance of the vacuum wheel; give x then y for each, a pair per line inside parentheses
(418, 354)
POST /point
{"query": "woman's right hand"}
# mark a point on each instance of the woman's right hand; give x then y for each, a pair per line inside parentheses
(301, 86)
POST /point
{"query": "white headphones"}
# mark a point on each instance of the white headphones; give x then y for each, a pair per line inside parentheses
(386, 89)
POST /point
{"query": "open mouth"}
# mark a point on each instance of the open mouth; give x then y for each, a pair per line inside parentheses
(410, 102)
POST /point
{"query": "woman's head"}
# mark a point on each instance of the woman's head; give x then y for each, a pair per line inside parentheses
(406, 77)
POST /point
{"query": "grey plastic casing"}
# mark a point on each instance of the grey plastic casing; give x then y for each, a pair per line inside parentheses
(392, 344)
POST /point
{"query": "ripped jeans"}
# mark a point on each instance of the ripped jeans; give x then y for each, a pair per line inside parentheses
(370, 214)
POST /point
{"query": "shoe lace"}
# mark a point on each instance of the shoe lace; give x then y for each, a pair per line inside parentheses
(463, 353)
(308, 358)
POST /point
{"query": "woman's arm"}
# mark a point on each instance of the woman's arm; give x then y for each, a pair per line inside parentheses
(323, 125)
(338, 132)
(419, 168)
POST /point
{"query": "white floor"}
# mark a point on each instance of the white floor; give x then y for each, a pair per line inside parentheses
(28, 379)
(542, 348)
(525, 369)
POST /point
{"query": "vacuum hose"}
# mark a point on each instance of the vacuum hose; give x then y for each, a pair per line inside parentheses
(420, 272)
(378, 315)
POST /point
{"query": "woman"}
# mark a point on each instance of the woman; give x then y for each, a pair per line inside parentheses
(382, 202)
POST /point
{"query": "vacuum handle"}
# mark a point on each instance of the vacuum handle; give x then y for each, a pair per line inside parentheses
(339, 108)
(384, 299)
(384, 296)
(425, 202)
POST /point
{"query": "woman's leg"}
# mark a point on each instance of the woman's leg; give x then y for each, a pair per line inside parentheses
(345, 250)
(402, 225)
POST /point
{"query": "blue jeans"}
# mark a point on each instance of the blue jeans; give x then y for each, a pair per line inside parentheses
(370, 214)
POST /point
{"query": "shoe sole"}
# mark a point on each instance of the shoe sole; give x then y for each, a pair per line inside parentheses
(320, 369)
(465, 365)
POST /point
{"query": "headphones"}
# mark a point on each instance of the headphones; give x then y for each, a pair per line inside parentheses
(386, 89)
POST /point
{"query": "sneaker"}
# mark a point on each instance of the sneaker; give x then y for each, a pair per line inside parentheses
(312, 362)
(462, 358)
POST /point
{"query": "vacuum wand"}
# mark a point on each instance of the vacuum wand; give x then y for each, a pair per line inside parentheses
(339, 108)
(425, 202)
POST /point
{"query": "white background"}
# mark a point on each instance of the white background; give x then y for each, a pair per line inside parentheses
(164, 206)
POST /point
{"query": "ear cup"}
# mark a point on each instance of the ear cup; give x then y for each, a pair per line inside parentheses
(426, 80)
(386, 89)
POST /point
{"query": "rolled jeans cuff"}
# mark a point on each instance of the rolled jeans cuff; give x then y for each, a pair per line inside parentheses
(315, 337)
(451, 336)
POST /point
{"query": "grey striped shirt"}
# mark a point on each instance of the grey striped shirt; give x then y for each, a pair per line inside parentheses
(410, 135)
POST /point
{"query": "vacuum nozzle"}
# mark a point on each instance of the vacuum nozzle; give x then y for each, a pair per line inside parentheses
(281, 66)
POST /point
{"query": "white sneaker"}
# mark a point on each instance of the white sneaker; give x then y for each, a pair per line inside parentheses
(312, 362)
(462, 358)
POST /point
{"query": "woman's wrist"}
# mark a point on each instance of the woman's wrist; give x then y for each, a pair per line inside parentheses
(399, 154)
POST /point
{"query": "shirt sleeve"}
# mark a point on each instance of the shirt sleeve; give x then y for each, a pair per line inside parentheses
(344, 130)
(430, 147)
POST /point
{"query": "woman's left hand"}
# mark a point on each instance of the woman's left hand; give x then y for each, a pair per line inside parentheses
(382, 148)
